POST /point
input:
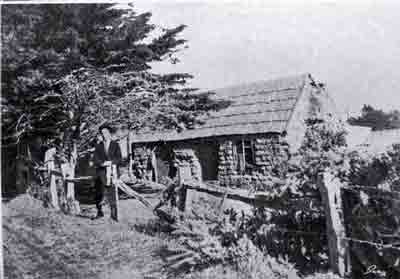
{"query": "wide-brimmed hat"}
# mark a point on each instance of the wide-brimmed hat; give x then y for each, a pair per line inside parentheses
(108, 126)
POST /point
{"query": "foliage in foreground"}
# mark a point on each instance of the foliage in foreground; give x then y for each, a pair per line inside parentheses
(211, 243)
(296, 232)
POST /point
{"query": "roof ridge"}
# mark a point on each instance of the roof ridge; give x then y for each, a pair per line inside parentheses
(301, 76)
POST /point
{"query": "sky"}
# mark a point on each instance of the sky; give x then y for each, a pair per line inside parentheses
(352, 46)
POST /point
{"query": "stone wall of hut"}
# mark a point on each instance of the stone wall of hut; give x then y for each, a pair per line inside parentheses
(270, 154)
(227, 164)
(185, 160)
(141, 157)
(188, 164)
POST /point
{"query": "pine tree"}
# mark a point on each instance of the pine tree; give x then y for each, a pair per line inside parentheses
(65, 67)
(68, 68)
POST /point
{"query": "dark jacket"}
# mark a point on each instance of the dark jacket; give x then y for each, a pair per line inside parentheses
(100, 156)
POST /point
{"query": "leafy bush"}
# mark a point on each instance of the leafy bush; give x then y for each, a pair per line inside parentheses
(296, 230)
(211, 242)
(372, 212)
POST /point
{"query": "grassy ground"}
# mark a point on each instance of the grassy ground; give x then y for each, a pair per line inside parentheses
(42, 243)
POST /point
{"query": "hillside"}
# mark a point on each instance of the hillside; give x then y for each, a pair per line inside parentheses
(42, 243)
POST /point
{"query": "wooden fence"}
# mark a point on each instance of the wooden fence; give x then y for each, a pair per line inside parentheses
(58, 179)
(330, 189)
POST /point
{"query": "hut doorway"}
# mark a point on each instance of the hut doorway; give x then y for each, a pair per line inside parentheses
(164, 163)
(207, 153)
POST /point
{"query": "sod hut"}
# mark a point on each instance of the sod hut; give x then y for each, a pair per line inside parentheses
(240, 144)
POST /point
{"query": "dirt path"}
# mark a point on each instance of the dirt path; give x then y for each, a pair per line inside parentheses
(41, 243)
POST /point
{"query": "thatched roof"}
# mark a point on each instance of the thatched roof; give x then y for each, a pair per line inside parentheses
(259, 107)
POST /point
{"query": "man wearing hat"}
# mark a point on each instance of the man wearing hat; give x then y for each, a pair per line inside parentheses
(107, 156)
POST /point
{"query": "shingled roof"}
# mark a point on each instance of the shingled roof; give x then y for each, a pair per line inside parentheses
(259, 107)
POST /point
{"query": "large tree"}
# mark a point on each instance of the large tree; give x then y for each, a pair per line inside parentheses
(67, 68)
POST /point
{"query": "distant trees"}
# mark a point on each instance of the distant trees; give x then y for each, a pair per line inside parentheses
(376, 119)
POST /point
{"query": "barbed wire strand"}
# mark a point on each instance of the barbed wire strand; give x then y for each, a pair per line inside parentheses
(379, 246)
(369, 188)
(375, 196)
(374, 244)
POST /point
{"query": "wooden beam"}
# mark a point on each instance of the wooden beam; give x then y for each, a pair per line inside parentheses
(56, 172)
(71, 172)
(53, 192)
(243, 166)
(339, 254)
(182, 195)
(130, 155)
(154, 164)
(68, 172)
(130, 192)
(112, 190)
(114, 202)
(50, 166)
(233, 194)
(257, 199)
(78, 179)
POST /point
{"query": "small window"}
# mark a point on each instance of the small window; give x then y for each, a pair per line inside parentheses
(244, 153)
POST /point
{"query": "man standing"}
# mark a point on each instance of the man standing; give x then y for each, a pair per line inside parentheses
(107, 157)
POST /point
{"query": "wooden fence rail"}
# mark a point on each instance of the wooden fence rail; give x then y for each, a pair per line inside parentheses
(67, 176)
(330, 189)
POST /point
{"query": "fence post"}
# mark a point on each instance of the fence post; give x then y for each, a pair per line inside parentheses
(112, 190)
(182, 197)
(130, 155)
(72, 202)
(68, 172)
(339, 256)
(50, 166)
(70, 184)
(154, 164)
(184, 175)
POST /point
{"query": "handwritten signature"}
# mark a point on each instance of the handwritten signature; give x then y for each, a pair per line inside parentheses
(370, 269)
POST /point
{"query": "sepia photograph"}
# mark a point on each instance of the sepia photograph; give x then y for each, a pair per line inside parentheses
(200, 139)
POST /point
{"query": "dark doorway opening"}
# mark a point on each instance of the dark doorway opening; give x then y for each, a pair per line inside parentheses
(164, 162)
(207, 153)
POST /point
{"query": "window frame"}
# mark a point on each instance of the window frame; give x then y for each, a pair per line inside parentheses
(240, 156)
